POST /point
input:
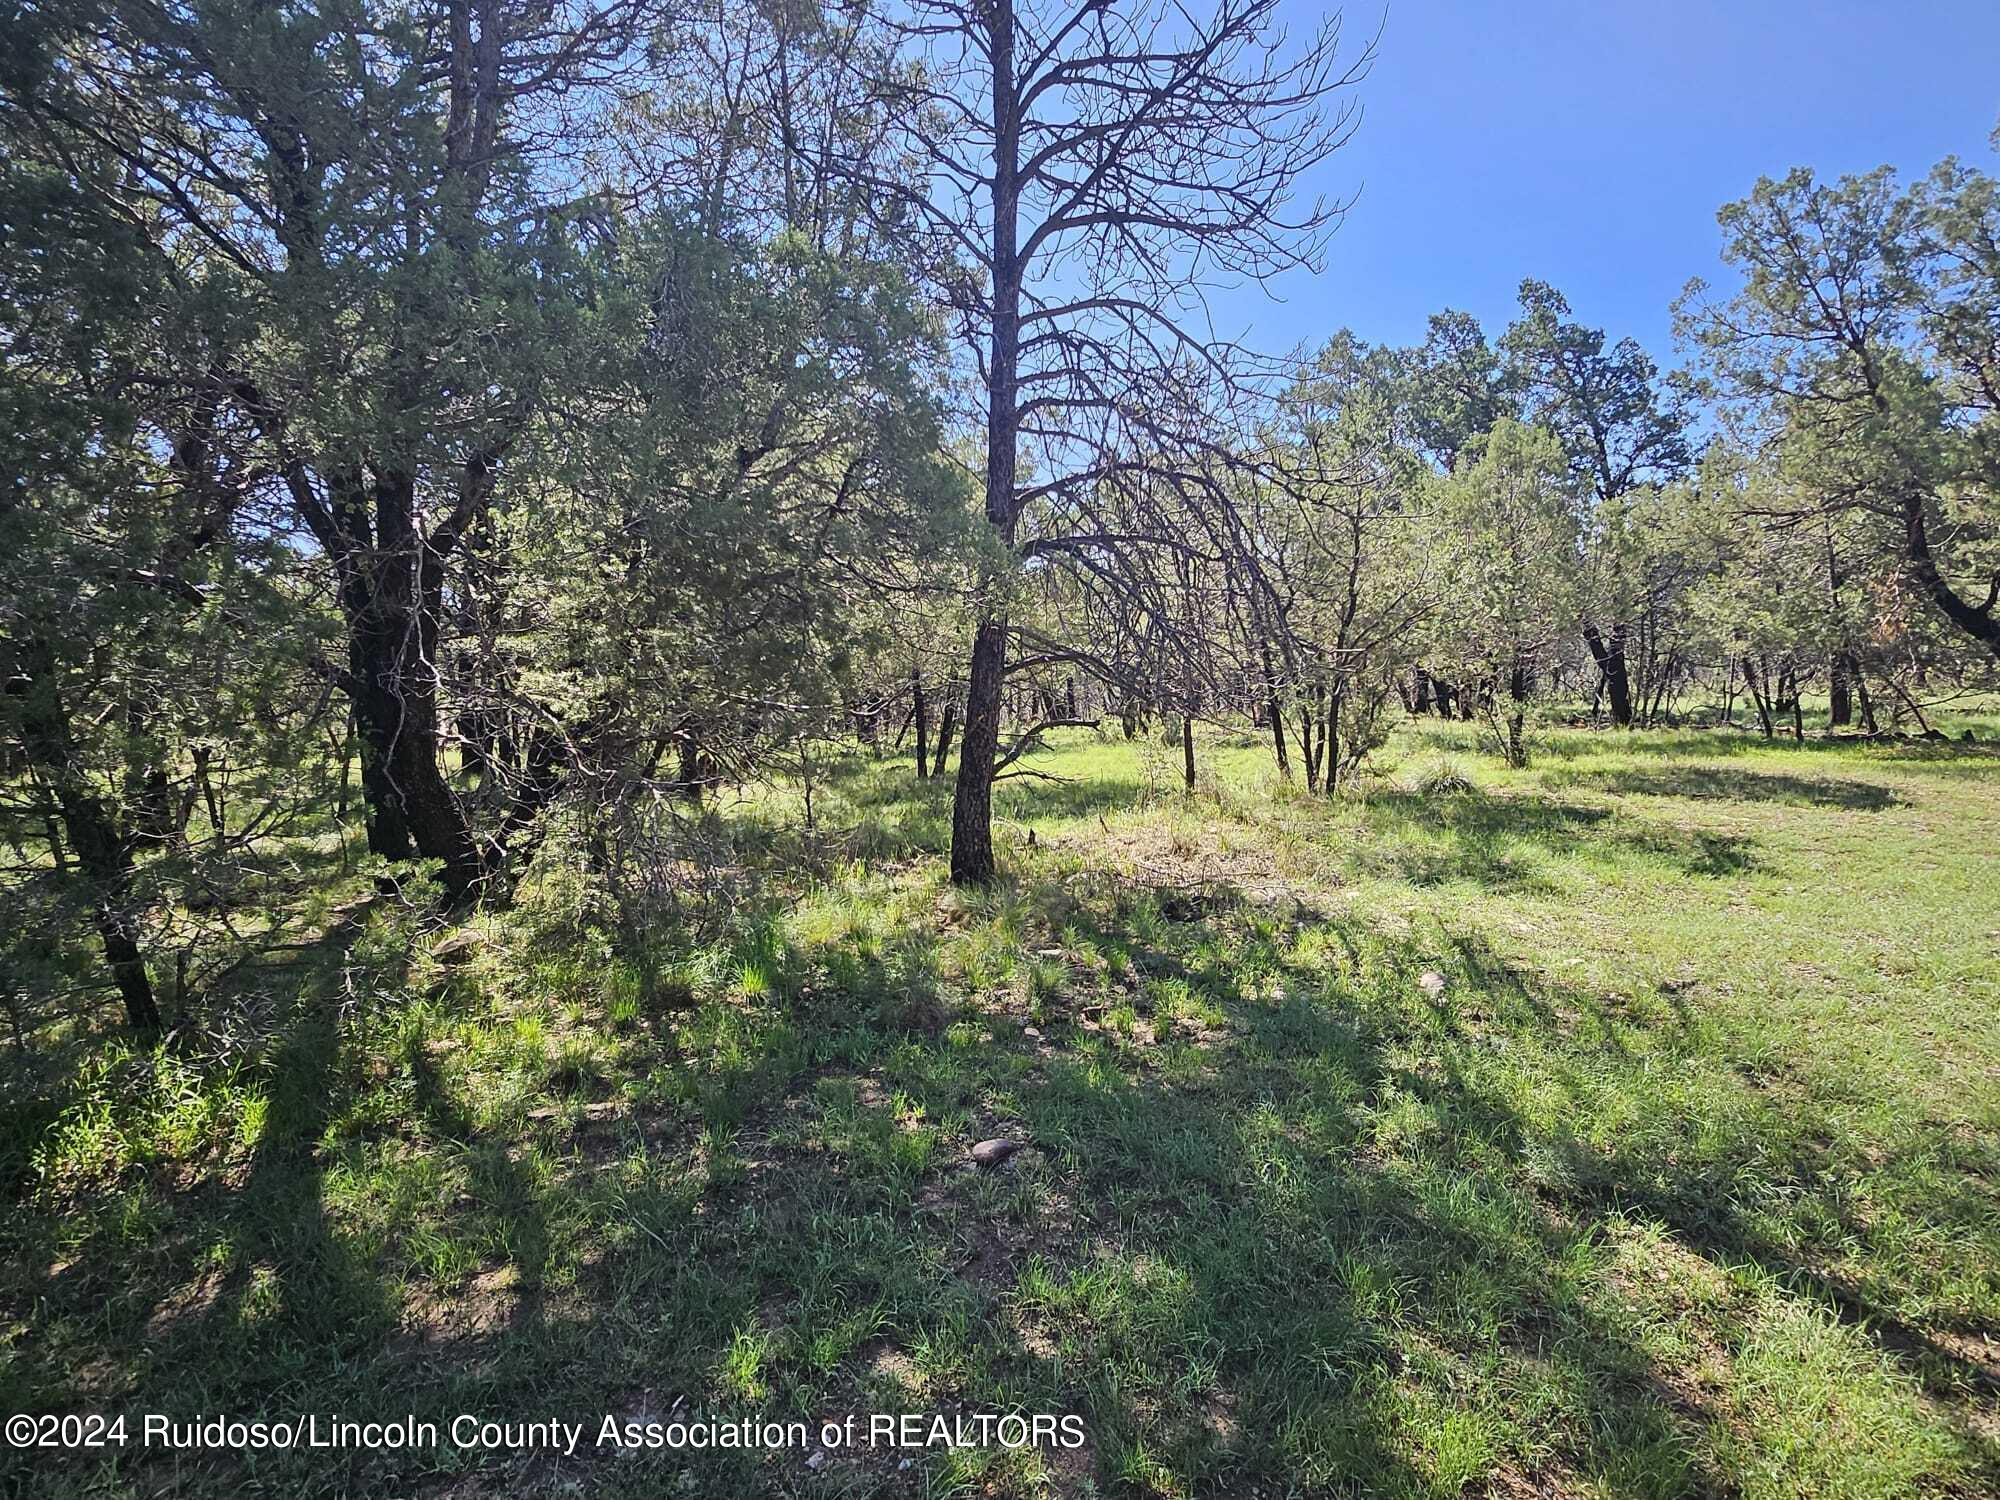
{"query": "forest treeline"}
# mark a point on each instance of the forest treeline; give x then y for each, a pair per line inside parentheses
(498, 423)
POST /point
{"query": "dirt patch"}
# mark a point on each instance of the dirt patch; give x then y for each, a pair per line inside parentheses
(484, 1306)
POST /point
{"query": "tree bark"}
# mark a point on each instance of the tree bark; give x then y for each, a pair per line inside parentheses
(1753, 681)
(1329, 733)
(947, 723)
(1276, 714)
(1609, 654)
(1517, 692)
(972, 798)
(920, 717)
(1187, 749)
(1840, 705)
(1977, 621)
(979, 741)
(392, 596)
(102, 851)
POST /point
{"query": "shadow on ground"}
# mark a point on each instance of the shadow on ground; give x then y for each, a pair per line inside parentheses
(1306, 1207)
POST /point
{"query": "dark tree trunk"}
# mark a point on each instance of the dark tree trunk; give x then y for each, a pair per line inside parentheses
(920, 716)
(1329, 733)
(107, 860)
(102, 851)
(1187, 749)
(1517, 693)
(978, 746)
(979, 741)
(1312, 741)
(1609, 654)
(1978, 621)
(1754, 682)
(1422, 702)
(1271, 708)
(411, 807)
(947, 723)
(688, 753)
(1840, 705)
(392, 596)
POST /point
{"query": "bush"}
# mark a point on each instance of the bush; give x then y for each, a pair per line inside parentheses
(1442, 778)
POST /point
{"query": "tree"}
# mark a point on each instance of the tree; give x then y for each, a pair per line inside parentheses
(1094, 164)
(1620, 432)
(1338, 559)
(1510, 516)
(1453, 388)
(374, 193)
(1861, 345)
(151, 627)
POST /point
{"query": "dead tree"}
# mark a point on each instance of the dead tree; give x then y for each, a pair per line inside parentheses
(1095, 165)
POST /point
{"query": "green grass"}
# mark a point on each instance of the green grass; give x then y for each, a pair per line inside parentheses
(1621, 1126)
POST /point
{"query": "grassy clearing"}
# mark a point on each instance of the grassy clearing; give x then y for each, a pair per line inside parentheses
(1622, 1126)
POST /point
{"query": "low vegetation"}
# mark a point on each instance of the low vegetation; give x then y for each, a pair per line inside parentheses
(1623, 1125)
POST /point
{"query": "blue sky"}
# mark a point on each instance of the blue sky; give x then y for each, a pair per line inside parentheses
(1591, 144)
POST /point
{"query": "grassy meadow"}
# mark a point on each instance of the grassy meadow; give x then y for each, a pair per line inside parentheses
(1628, 1125)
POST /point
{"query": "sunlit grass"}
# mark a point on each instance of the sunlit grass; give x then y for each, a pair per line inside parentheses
(1618, 1126)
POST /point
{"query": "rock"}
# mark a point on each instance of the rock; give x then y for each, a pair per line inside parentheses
(457, 948)
(992, 1153)
(817, 1461)
(1431, 982)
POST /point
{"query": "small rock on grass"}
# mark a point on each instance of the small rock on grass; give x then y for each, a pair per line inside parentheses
(1431, 982)
(992, 1153)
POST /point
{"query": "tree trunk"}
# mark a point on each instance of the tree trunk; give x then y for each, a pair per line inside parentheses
(920, 716)
(1610, 658)
(1329, 733)
(1271, 708)
(978, 746)
(972, 799)
(1753, 681)
(947, 724)
(102, 851)
(392, 596)
(1517, 692)
(1187, 749)
(1840, 708)
(1977, 621)
(1308, 748)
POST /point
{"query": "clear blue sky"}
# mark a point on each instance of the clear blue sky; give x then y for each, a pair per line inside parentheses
(1591, 144)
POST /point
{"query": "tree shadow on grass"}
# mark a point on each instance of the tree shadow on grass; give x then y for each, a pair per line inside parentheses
(1302, 1223)
(1324, 1245)
(1718, 744)
(208, 1294)
(1735, 784)
(1482, 838)
(1286, 1294)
